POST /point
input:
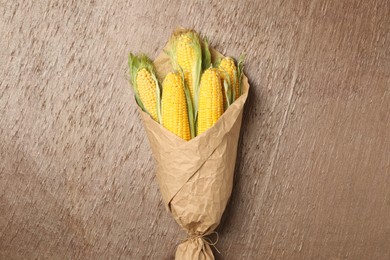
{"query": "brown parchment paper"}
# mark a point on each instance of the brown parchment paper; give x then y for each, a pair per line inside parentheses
(196, 177)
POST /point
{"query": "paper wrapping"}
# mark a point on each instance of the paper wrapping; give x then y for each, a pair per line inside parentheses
(196, 177)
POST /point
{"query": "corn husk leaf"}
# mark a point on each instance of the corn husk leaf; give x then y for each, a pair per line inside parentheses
(227, 88)
(240, 72)
(190, 109)
(206, 55)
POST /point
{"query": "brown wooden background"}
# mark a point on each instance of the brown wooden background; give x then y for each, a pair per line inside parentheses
(313, 169)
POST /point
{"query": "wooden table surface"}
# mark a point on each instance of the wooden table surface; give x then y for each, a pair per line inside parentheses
(312, 178)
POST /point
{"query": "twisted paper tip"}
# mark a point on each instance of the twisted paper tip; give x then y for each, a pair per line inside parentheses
(205, 239)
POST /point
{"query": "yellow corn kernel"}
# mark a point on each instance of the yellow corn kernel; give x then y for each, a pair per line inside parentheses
(174, 106)
(187, 56)
(210, 106)
(147, 91)
(227, 66)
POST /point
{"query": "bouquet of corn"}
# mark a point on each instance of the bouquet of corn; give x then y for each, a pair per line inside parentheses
(191, 99)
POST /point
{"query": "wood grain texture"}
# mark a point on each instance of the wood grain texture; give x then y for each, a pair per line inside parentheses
(313, 168)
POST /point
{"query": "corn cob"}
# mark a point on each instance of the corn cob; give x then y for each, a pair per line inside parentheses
(145, 84)
(186, 54)
(210, 99)
(174, 106)
(229, 73)
(186, 59)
